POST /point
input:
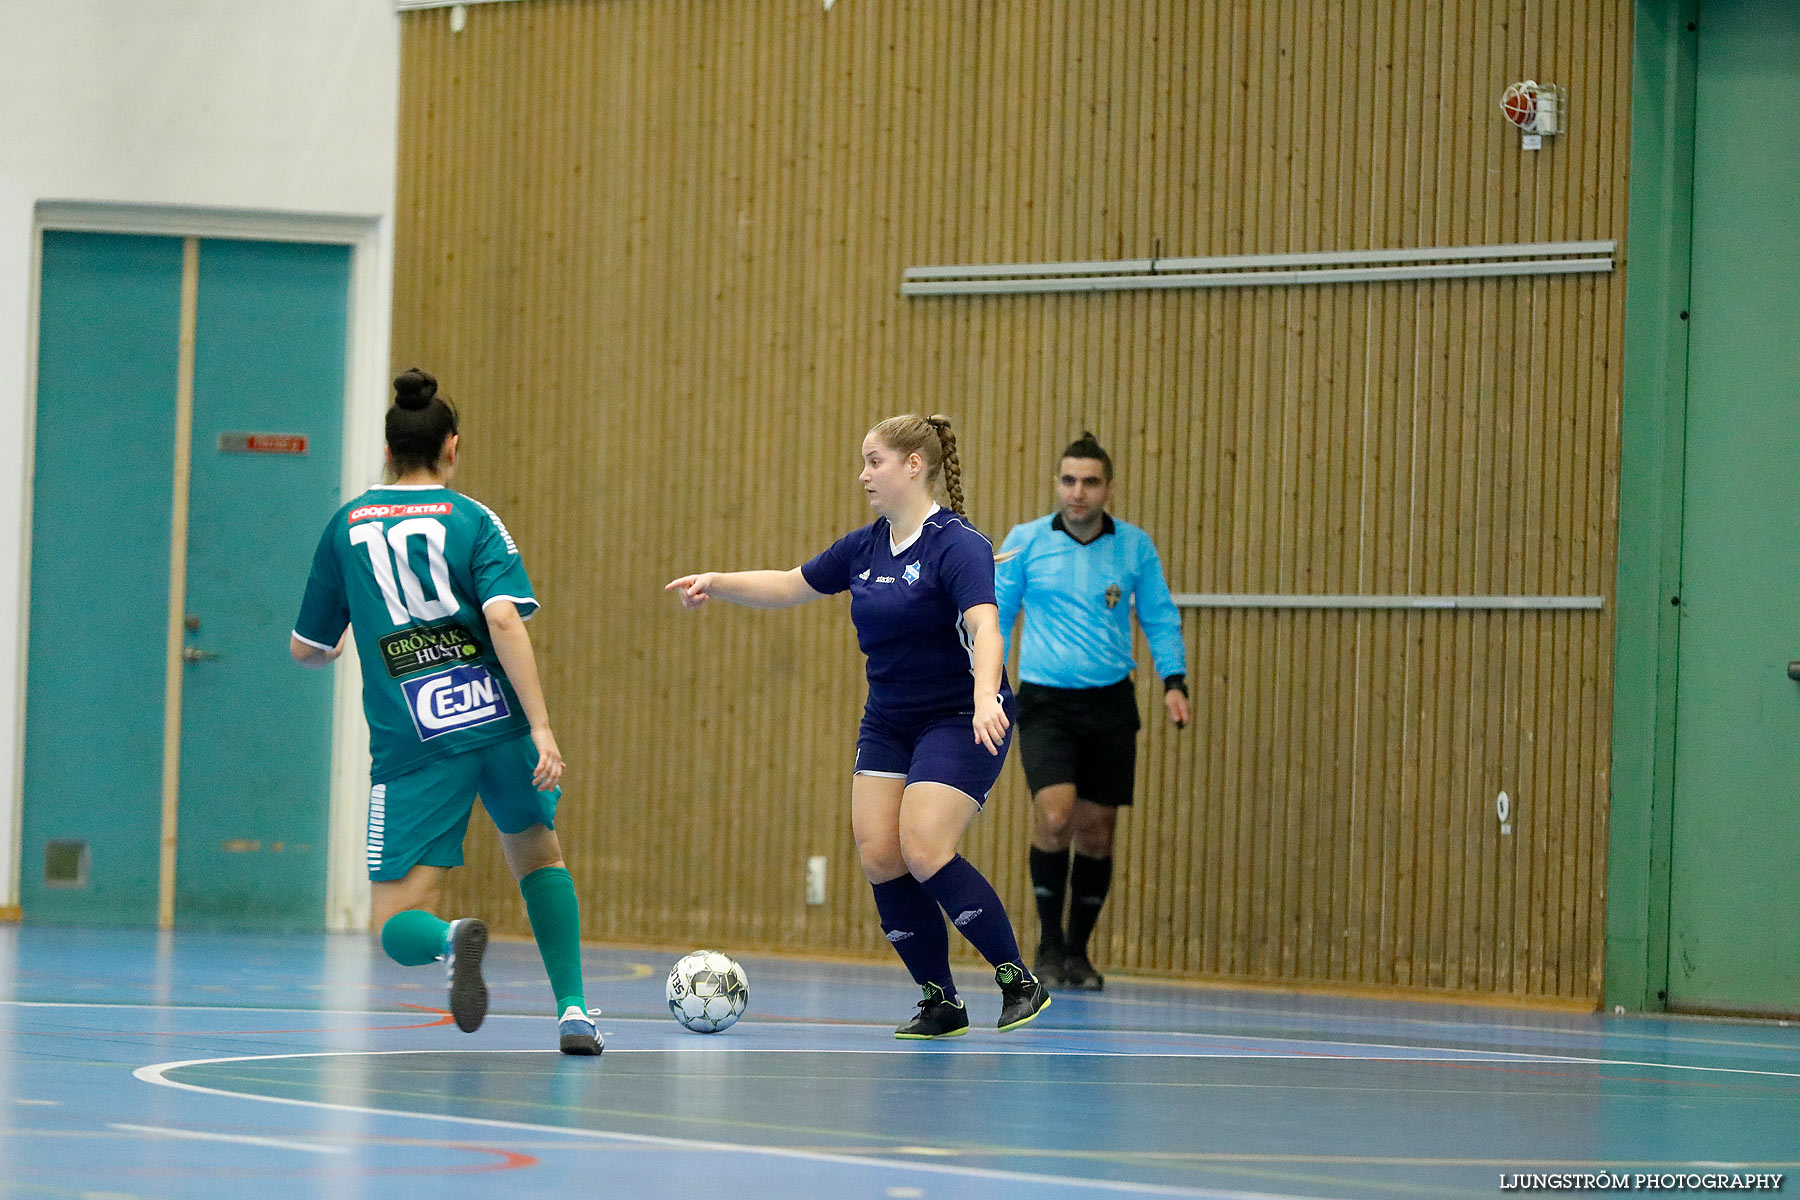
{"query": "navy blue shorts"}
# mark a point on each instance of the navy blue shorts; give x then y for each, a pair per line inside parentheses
(939, 748)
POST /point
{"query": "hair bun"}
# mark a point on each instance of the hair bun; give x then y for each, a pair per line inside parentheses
(413, 389)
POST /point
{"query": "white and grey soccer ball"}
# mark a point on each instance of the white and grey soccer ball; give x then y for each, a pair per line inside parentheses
(707, 991)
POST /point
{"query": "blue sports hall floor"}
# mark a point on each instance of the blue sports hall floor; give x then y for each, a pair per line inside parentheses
(207, 1065)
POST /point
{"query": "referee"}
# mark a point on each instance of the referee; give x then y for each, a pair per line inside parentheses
(1077, 574)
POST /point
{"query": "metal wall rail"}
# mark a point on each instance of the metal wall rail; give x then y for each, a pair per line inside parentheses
(1262, 270)
(1520, 603)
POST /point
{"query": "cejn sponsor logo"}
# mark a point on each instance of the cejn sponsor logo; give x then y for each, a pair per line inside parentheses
(371, 512)
(426, 648)
(460, 698)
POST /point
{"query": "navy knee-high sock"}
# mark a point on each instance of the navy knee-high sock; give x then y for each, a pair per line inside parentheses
(915, 928)
(974, 907)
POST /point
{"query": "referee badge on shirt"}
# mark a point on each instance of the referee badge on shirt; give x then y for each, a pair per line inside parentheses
(1113, 595)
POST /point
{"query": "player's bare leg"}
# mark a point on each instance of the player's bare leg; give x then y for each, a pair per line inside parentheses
(909, 916)
(404, 911)
(933, 817)
(534, 855)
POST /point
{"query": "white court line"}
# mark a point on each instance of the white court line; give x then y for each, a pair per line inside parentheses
(1430, 1054)
(882, 1025)
(1109, 1001)
(1598, 1030)
(1451, 1054)
(240, 1139)
(154, 1074)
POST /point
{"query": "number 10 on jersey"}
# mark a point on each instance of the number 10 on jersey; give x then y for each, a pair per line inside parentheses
(399, 584)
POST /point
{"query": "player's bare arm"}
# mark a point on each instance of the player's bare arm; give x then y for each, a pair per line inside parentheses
(983, 623)
(309, 655)
(752, 589)
(512, 645)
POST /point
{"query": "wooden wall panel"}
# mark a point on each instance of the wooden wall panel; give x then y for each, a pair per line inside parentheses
(652, 247)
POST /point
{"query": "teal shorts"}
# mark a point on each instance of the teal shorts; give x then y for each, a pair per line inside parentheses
(419, 818)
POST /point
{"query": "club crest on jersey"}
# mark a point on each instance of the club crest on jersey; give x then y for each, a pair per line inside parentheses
(460, 698)
(911, 574)
(1113, 594)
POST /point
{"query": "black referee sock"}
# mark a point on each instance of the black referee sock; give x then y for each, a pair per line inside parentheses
(1050, 884)
(1089, 881)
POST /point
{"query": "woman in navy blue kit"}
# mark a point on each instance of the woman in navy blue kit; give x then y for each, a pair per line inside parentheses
(939, 716)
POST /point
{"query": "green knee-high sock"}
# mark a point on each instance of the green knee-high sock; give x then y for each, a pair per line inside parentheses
(556, 924)
(414, 937)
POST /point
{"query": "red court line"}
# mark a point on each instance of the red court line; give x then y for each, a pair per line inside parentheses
(508, 1160)
(444, 1018)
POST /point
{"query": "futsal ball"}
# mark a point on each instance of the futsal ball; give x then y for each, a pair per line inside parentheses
(707, 991)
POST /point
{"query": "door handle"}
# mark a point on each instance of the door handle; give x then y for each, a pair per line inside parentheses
(194, 654)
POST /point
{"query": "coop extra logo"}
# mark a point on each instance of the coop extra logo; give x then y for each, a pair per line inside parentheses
(370, 512)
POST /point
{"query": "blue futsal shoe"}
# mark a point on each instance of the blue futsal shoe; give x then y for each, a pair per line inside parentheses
(577, 1032)
(465, 944)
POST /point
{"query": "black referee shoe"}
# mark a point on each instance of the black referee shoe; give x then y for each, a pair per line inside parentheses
(1079, 973)
(1047, 964)
(1022, 997)
(468, 993)
(937, 1017)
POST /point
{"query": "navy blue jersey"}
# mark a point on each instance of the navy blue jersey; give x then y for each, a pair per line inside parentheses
(908, 609)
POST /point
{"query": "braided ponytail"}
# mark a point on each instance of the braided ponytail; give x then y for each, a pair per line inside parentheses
(951, 460)
(932, 439)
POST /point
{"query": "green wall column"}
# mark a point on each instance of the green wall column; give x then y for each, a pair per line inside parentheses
(1658, 255)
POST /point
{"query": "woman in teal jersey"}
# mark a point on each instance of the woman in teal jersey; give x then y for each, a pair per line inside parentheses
(431, 585)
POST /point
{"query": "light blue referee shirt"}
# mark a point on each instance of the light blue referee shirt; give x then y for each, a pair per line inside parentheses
(1078, 602)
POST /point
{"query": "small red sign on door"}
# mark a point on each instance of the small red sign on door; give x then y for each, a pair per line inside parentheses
(262, 443)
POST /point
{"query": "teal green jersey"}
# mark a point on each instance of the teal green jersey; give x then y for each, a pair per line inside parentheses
(412, 569)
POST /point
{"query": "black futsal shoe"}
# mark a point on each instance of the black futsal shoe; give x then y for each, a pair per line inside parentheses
(937, 1017)
(468, 993)
(1079, 973)
(1047, 964)
(1022, 997)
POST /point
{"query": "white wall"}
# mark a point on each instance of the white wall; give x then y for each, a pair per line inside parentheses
(279, 106)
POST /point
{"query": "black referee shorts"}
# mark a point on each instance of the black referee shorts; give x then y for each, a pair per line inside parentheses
(1083, 736)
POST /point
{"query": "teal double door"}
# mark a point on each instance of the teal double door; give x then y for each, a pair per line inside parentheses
(190, 407)
(1734, 905)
